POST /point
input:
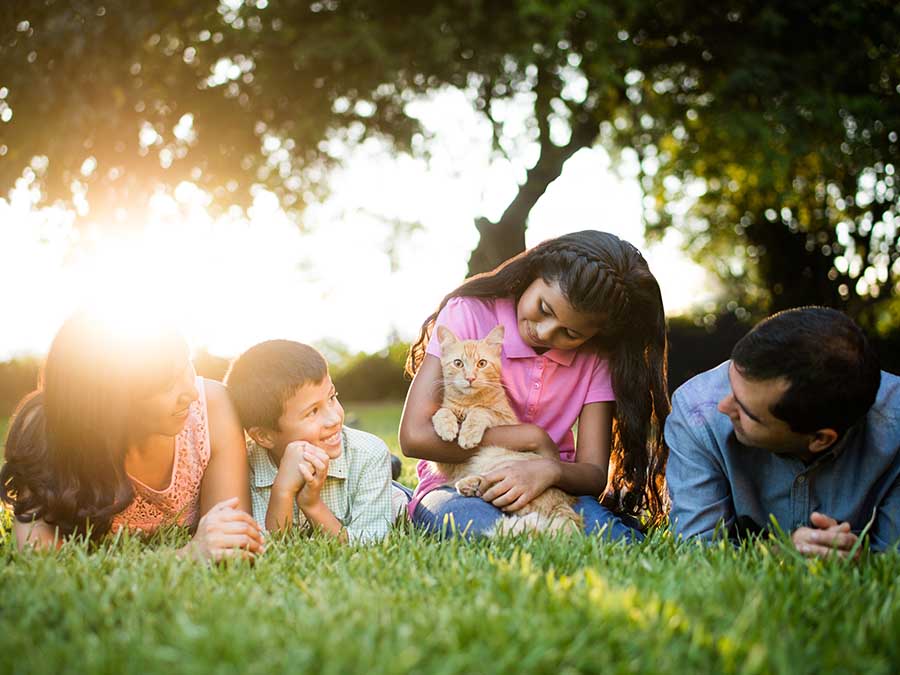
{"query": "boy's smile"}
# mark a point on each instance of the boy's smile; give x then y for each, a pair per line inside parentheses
(313, 414)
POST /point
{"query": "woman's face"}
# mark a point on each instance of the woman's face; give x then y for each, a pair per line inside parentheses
(165, 412)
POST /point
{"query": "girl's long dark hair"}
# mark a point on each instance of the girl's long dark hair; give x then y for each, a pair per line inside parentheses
(66, 446)
(607, 277)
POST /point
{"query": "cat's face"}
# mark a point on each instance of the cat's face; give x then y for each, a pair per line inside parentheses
(470, 365)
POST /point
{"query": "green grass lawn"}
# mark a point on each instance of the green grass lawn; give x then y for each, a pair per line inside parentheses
(414, 604)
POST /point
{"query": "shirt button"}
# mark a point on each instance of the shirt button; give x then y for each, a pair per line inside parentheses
(801, 479)
(537, 385)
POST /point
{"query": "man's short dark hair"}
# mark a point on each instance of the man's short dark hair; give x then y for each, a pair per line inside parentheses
(833, 371)
(265, 376)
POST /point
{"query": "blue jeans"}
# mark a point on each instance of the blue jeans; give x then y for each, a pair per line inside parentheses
(473, 516)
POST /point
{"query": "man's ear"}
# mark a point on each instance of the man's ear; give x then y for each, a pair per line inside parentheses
(821, 440)
(263, 437)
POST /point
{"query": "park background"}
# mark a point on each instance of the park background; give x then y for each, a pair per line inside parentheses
(326, 171)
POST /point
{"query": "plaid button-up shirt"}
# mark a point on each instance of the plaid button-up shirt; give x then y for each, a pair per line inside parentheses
(357, 490)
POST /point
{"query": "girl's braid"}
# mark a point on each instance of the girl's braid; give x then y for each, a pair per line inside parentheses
(593, 280)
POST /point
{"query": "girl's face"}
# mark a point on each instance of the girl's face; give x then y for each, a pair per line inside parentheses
(165, 412)
(546, 320)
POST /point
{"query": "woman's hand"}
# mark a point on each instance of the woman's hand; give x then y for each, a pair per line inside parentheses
(512, 485)
(226, 532)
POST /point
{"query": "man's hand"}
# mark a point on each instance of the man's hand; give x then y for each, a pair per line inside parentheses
(314, 469)
(514, 484)
(826, 537)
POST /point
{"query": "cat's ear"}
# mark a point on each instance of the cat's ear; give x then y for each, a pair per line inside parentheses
(446, 336)
(495, 337)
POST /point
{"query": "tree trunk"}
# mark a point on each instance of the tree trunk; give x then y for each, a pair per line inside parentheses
(506, 238)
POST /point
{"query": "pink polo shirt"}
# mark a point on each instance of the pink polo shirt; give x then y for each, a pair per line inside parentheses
(548, 389)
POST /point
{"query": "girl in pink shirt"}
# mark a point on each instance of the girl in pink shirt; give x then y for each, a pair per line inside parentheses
(585, 342)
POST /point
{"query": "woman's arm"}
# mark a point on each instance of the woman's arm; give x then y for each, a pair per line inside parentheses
(228, 474)
(37, 535)
(226, 528)
(418, 438)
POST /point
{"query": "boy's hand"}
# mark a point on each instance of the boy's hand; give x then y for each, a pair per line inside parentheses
(289, 479)
(314, 470)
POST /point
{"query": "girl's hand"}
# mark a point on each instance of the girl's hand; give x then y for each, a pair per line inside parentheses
(514, 484)
(226, 532)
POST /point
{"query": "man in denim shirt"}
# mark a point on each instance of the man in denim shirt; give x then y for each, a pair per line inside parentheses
(801, 425)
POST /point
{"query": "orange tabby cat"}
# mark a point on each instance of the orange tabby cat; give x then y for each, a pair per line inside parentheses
(474, 400)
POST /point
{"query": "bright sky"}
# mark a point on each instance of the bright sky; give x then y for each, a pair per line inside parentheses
(234, 282)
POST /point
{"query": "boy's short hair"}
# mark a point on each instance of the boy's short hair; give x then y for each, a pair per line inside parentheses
(263, 378)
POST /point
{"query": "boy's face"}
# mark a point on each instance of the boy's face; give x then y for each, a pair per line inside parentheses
(313, 414)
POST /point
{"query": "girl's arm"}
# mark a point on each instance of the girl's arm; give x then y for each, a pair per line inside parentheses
(418, 438)
(226, 528)
(588, 474)
(515, 484)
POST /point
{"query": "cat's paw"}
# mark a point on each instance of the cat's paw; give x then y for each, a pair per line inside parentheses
(470, 486)
(470, 433)
(445, 424)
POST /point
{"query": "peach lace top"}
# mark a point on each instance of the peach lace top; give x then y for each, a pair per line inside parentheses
(179, 503)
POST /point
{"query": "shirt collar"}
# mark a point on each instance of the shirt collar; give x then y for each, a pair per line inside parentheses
(263, 471)
(839, 446)
(514, 346)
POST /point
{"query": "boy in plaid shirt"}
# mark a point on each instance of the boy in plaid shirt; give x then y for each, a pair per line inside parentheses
(306, 468)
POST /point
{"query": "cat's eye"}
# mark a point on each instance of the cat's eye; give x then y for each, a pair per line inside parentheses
(457, 363)
(482, 363)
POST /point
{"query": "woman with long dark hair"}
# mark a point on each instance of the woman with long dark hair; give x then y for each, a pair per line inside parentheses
(585, 342)
(121, 433)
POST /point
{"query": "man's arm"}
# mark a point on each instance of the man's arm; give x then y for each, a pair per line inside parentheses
(885, 532)
(698, 488)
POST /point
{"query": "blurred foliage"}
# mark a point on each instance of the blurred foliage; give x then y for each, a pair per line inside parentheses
(17, 378)
(768, 136)
(209, 365)
(767, 132)
(373, 377)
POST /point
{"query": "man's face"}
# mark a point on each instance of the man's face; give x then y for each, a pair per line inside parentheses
(313, 414)
(749, 405)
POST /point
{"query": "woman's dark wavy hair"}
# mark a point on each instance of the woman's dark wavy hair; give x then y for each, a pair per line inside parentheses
(607, 277)
(66, 446)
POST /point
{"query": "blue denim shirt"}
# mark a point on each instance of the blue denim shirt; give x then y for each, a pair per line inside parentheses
(715, 479)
